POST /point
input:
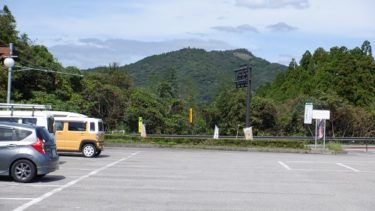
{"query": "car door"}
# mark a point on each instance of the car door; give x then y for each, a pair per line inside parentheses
(8, 148)
(77, 132)
(71, 136)
(61, 135)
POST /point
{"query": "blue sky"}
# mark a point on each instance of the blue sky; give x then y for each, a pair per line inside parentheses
(89, 33)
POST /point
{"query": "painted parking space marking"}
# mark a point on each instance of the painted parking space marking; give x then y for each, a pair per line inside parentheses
(337, 163)
(348, 167)
(35, 185)
(284, 165)
(71, 183)
(17, 199)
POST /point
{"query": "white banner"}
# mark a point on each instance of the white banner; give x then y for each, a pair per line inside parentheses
(248, 131)
(216, 132)
(143, 131)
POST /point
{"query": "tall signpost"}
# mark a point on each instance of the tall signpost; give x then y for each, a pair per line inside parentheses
(320, 116)
(243, 79)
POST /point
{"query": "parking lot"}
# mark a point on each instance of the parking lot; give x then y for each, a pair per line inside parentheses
(178, 179)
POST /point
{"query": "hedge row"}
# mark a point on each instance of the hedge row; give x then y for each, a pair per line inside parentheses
(289, 144)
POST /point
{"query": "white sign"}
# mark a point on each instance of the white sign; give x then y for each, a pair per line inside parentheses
(248, 131)
(308, 113)
(321, 114)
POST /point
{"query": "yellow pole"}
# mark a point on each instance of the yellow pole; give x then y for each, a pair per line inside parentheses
(191, 115)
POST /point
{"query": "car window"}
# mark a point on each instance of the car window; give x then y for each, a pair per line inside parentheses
(77, 126)
(13, 134)
(31, 121)
(59, 126)
(101, 127)
(21, 134)
(6, 134)
(9, 119)
(92, 126)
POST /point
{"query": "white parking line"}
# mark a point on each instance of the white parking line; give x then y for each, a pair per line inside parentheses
(37, 185)
(348, 167)
(284, 165)
(71, 183)
(17, 199)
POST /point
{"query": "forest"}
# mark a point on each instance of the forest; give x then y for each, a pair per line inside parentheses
(341, 80)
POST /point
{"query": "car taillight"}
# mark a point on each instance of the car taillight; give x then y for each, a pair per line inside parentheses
(39, 146)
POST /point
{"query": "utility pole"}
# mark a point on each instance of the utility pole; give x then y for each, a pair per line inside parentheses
(7, 53)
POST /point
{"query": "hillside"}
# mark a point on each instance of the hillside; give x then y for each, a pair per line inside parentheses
(341, 80)
(199, 72)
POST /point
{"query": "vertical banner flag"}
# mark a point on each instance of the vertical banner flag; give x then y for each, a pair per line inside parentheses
(216, 132)
(143, 131)
(140, 124)
(321, 128)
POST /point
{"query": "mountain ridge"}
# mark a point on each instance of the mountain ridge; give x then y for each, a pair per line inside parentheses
(199, 71)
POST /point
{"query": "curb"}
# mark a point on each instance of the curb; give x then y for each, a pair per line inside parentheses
(224, 148)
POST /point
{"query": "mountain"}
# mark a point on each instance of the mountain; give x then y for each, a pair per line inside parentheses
(200, 73)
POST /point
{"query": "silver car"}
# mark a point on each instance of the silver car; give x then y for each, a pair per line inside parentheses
(26, 151)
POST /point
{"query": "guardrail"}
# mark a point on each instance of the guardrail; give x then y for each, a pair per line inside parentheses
(364, 142)
(359, 140)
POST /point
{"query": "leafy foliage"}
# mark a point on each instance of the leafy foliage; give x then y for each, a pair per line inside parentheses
(339, 80)
(198, 69)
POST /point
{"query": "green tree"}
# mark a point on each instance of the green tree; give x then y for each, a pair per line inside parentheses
(8, 32)
(366, 48)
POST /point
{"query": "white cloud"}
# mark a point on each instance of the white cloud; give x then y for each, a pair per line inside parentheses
(91, 52)
(320, 23)
(273, 4)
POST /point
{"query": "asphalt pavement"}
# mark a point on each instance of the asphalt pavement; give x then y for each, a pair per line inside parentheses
(180, 179)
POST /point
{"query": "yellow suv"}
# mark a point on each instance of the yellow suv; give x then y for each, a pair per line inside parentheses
(79, 134)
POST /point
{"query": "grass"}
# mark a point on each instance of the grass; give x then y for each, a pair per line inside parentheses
(335, 147)
(267, 145)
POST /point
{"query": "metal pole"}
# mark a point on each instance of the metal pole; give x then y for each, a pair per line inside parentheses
(248, 97)
(324, 137)
(9, 75)
(316, 132)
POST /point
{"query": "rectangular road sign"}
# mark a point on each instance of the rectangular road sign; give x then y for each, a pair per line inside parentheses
(308, 113)
(321, 114)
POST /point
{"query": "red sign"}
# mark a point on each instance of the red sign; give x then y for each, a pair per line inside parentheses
(4, 52)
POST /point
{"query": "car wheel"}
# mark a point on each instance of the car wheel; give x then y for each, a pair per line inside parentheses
(23, 171)
(98, 153)
(89, 150)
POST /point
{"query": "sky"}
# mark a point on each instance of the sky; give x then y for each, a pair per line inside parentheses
(91, 33)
